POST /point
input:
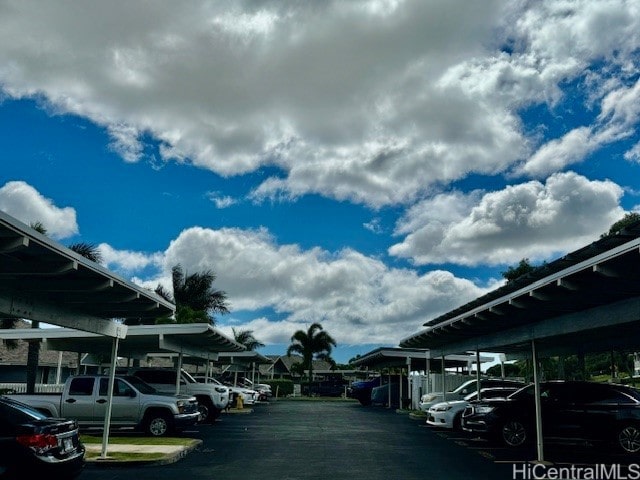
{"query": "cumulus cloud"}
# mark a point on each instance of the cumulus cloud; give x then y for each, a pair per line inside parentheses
(22, 201)
(530, 220)
(619, 114)
(127, 260)
(355, 297)
(371, 102)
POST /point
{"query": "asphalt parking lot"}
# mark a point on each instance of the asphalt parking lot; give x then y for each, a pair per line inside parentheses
(324, 440)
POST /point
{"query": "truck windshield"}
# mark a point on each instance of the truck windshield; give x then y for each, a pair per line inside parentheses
(140, 385)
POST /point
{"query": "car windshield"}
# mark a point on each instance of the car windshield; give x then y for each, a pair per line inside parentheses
(209, 380)
(140, 385)
(466, 385)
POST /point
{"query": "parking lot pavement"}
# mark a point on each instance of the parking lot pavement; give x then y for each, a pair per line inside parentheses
(317, 440)
(558, 454)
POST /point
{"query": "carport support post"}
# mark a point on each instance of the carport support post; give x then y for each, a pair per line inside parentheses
(409, 384)
(478, 374)
(107, 416)
(400, 387)
(536, 383)
(178, 371)
(444, 378)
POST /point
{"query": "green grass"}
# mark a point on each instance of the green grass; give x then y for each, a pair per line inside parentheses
(97, 439)
(124, 456)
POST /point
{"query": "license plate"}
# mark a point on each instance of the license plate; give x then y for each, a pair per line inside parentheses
(67, 445)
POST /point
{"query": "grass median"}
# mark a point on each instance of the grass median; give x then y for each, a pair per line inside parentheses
(114, 455)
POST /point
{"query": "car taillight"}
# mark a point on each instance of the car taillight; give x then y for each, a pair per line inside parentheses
(39, 442)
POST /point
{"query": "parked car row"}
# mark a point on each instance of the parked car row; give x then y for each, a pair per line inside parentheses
(603, 414)
(468, 387)
(39, 433)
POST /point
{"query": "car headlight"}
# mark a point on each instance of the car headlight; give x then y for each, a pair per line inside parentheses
(180, 404)
(220, 389)
(482, 409)
(441, 408)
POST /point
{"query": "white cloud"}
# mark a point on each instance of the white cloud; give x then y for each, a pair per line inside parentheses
(22, 201)
(356, 298)
(620, 111)
(530, 220)
(127, 260)
(221, 201)
(372, 101)
(633, 154)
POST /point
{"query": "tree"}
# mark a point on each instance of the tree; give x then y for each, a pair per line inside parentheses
(194, 296)
(628, 219)
(87, 250)
(315, 343)
(523, 268)
(246, 338)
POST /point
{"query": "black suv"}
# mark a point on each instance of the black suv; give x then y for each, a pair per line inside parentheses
(571, 410)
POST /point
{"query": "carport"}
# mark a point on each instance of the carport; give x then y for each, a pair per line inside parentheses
(199, 340)
(400, 358)
(587, 301)
(43, 281)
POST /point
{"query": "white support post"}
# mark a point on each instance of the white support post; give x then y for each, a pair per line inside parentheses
(400, 387)
(444, 378)
(478, 373)
(409, 384)
(178, 371)
(107, 416)
(59, 369)
(536, 383)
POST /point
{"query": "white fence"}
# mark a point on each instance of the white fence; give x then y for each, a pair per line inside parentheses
(39, 388)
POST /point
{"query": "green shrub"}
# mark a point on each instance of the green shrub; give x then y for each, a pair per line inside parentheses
(283, 386)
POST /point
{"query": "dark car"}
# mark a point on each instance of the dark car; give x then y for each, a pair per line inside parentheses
(328, 388)
(571, 410)
(33, 444)
(361, 390)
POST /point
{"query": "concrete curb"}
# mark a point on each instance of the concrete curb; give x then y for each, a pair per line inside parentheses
(171, 454)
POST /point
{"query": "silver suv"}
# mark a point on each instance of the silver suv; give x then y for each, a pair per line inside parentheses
(212, 399)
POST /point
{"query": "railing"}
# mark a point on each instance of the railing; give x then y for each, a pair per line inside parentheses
(39, 388)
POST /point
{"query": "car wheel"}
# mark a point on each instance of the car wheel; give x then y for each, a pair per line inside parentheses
(457, 421)
(628, 439)
(513, 433)
(158, 424)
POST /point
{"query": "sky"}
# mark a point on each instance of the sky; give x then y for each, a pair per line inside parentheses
(368, 165)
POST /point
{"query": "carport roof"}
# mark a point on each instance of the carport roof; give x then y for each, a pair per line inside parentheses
(194, 339)
(588, 300)
(45, 281)
(386, 357)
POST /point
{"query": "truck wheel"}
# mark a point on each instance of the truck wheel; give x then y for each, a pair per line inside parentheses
(158, 424)
(206, 409)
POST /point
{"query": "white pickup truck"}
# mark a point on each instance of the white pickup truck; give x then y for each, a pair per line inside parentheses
(134, 404)
(212, 399)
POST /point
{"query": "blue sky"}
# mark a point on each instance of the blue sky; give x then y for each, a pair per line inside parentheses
(368, 165)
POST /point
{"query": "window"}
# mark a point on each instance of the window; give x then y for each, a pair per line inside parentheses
(81, 386)
(120, 388)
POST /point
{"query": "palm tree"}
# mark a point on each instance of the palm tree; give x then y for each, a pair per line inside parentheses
(315, 343)
(246, 338)
(87, 250)
(194, 296)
